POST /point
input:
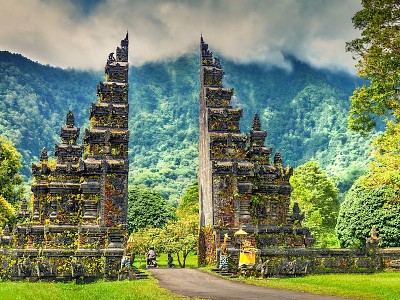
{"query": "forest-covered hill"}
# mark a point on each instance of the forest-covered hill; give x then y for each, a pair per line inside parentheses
(305, 112)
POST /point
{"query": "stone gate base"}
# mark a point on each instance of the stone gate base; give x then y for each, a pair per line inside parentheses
(301, 261)
(61, 265)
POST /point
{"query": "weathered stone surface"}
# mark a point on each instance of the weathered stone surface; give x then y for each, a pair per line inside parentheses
(78, 224)
(242, 187)
(238, 186)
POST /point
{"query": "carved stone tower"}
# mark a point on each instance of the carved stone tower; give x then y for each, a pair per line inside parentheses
(221, 144)
(238, 186)
(107, 140)
(79, 219)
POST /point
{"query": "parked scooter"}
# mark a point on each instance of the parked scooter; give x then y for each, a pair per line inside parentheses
(151, 258)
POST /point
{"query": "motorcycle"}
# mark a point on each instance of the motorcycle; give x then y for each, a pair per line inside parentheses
(151, 263)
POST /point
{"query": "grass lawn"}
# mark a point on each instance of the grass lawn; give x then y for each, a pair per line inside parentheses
(162, 260)
(146, 289)
(356, 286)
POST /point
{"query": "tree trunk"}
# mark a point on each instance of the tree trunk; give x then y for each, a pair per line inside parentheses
(179, 260)
(185, 254)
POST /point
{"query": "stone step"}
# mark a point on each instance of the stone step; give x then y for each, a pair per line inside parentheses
(224, 273)
(132, 275)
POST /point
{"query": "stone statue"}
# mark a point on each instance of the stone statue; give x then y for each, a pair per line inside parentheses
(373, 241)
(111, 57)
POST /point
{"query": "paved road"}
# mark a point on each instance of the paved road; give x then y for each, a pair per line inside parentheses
(198, 284)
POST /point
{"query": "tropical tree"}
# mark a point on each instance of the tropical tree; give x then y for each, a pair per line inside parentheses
(140, 241)
(176, 237)
(189, 204)
(317, 197)
(11, 182)
(378, 60)
(7, 212)
(180, 237)
(147, 208)
(373, 200)
(366, 207)
(384, 169)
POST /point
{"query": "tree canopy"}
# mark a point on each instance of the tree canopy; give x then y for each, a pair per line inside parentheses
(11, 187)
(180, 237)
(35, 98)
(317, 197)
(384, 168)
(7, 212)
(373, 200)
(365, 207)
(189, 204)
(146, 208)
(378, 60)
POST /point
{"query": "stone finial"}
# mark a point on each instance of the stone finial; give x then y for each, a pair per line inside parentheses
(125, 41)
(204, 47)
(70, 120)
(373, 240)
(6, 239)
(23, 212)
(122, 52)
(277, 159)
(111, 58)
(256, 125)
(43, 155)
(290, 172)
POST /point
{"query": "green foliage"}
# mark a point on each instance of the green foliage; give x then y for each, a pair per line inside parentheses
(349, 286)
(373, 200)
(163, 126)
(365, 207)
(164, 114)
(141, 240)
(180, 237)
(146, 208)
(34, 100)
(162, 260)
(378, 60)
(102, 290)
(176, 237)
(189, 205)
(345, 179)
(7, 212)
(384, 168)
(317, 197)
(11, 187)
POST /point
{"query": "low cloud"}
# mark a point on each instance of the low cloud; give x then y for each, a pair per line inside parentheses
(72, 34)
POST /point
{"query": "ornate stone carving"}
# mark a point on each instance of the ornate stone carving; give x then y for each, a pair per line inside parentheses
(76, 193)
(238, 184)
(43, 155)
(373, 240)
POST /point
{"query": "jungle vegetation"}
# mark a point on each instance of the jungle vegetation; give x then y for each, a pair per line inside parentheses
(374, 198)
(305, 112)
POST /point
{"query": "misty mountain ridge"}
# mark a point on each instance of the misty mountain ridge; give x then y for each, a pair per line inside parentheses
(304, 111)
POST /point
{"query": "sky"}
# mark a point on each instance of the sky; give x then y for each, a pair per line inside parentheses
(81, 34)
